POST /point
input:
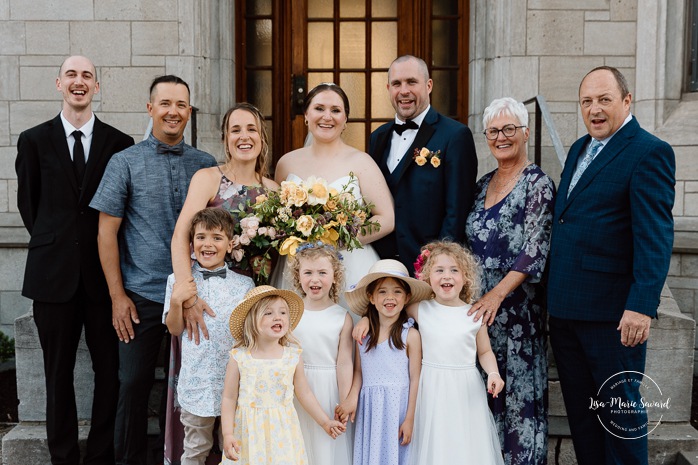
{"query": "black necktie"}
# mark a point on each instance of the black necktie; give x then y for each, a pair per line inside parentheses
(400, 128)
(173, 149)
(211, 274)
(78, 157)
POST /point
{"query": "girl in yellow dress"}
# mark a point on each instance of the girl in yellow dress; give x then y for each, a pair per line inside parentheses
(258, 419)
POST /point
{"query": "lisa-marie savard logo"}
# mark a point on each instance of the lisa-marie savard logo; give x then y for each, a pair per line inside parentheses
(630, 405)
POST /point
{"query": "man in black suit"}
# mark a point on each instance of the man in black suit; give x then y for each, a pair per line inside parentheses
(433, 194)
(59, 166)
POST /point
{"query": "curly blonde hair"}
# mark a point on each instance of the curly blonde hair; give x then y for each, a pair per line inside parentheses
(250, 328)
(313, 252)
(465, 260)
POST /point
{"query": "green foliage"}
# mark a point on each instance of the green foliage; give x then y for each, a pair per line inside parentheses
(7, 348)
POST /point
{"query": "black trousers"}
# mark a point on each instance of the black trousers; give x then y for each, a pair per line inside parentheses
(59, 326)
(137, 361)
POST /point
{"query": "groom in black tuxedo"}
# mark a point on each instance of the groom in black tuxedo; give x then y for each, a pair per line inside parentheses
(59, 166)
(433, 193)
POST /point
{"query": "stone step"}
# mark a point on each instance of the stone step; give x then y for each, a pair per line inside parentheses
(687, 458)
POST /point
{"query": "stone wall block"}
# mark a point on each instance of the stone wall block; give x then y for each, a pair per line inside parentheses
(12, 38)
(691, 204)
(555, 32)
(4, 10)
(126, 89)
(567, 5)
(76, 10)
(24, 115)
(599, 15)
(13, 305)
(9, 78)
(689, 266)
(148, 61)
(4, 197)
(684, 299)
(38, 83)
(609, 38)
(48, 37)
(106, 43)
(623, 10)
(691, 186)
(12, 269)
(675, 267)
(522, 77)
(7, 162)
(196, 71)
(43, 60)
(560, 76)
(679, 199)
(154, 38)
(133, 124)
(12, 194)
(4, 125)
(136, 10)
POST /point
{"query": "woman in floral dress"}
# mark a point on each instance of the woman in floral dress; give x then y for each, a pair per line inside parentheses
(509, 230)
(231, 186)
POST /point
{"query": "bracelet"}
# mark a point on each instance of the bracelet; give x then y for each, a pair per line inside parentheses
(494, 373)
(196, 299)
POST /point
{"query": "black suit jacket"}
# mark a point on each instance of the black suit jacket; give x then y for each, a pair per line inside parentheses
(63, 228)
(430, 203)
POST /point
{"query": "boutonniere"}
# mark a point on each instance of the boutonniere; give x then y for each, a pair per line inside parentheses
(424, 155)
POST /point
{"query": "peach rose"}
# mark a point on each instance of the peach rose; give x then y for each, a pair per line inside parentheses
(424, 152)
(435, 162)
(305, 225)
(421, 161)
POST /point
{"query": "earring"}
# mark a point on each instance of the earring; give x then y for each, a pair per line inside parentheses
(306, 122)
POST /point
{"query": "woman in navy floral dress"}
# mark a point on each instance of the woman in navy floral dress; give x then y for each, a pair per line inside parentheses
(509, 230)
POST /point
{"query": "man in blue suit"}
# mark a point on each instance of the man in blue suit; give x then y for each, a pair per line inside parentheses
(611, 245)
(432, 195)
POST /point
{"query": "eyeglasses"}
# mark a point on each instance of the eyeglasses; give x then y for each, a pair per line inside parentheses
(509, 130)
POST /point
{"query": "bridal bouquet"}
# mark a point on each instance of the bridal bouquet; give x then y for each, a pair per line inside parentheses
(308, 211)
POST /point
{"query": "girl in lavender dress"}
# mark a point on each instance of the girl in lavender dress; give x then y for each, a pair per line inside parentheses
(386, 366)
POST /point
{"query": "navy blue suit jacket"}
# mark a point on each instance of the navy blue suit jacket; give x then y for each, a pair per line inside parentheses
(612, 238)
(56, 212)
(430, 203)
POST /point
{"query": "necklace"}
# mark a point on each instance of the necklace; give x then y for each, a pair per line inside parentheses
(502, 188)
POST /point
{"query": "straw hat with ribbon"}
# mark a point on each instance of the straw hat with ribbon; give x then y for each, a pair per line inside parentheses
(237, 318)
(357, 297)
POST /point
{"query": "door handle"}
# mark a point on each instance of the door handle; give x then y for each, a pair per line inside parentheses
(300, 89)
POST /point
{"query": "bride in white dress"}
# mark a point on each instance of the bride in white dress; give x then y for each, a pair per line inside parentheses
(328, 157)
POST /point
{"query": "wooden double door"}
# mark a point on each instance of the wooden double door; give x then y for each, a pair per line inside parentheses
(286, 47)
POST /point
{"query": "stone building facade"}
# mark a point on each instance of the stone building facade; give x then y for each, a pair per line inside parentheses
(517, 48)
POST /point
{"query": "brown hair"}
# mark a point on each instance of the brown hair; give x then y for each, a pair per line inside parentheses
(620, 79)
(313, 253)
(325, 86)
(395, 338)
(465, 260)
(260, 166)
(250, 329)
(213, 218)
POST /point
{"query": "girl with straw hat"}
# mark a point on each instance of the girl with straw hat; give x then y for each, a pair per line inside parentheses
(258, 419)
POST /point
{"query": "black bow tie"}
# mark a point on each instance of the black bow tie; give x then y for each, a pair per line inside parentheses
(222, 273)
(173, 149)
(409, 124)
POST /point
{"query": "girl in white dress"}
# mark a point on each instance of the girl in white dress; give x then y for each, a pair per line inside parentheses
(328, 157)
(453, 423)
(324, 332)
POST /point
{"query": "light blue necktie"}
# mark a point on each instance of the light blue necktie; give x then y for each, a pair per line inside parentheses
(589, 156)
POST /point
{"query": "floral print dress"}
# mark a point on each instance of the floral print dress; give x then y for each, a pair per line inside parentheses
(266, 422)
(514, 235)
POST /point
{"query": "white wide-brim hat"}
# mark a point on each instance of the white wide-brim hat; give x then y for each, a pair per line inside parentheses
(237, 318)
(358, 299)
